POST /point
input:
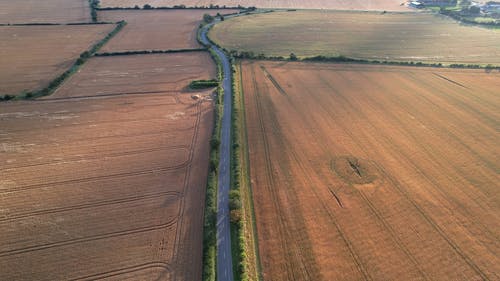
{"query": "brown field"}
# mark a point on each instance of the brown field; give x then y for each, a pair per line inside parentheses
(155, 29)
(389, 5)
(374, 173)
(137, 74)
(32, 56)
(106, 187)
(46, 11)
(364, 35)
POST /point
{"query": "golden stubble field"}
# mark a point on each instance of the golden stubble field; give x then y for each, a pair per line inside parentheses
(46, 11)
(364, 35)
(389, 5)
(372, 172)
(32, 56)
(106, 186)
(156, 29)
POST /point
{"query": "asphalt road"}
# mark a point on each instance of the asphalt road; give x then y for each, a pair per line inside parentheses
(224, 259)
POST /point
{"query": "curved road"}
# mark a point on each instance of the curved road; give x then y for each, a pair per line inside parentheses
(224, 259)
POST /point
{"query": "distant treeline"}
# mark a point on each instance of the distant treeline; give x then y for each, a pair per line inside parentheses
(147, 52)
(54, 24)
(178, 7)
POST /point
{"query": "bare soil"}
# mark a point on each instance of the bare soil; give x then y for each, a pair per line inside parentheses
(106, 187)
(155, 29)
(32, 56)
(365, 172)
(46, 11)
(389, 5)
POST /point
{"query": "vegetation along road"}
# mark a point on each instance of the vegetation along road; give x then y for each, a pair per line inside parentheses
(224, 262)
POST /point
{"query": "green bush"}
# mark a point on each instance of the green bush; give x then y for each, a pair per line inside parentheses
(203, 84)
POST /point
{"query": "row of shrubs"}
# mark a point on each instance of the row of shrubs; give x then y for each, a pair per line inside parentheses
(459, 17)
(203, 84)
(54, 84)
(177, 7)
(235, 204)
(210, 214)
(148, 52)
(94, 6)
(293, 57)
(44, 23)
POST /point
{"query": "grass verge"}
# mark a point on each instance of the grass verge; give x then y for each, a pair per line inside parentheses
(246, 264)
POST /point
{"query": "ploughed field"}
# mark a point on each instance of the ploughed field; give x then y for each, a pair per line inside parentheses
(137, 74)
(32, 56)
(379, 36)
(46, 11)
(155, 29)
(106, 186)
(390, 5)
(374, 173)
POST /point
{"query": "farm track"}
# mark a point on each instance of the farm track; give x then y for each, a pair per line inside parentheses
(89, 205)
(97, 157)
(270, 189)
(130, 269)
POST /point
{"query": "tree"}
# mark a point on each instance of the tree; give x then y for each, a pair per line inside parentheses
(147, 7)
(208, 18)
(474, 10)
(293, 57)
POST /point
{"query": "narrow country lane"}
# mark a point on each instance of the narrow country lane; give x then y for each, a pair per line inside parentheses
(224, 260)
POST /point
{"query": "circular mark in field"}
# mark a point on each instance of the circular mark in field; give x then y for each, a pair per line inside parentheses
(355, 170)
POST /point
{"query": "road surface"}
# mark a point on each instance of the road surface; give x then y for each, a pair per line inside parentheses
(224, 258)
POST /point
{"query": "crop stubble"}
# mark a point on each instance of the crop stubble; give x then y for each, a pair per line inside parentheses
(155, 29)
(137, 74)
(363, 35)
(374, 173)
(32, 56)
(46, 11)
(105, 186)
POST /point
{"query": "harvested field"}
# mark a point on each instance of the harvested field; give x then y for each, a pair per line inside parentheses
(155, 29)
(374, 173)
(137, 74)
(32, 56)
(363, 35)
(46, 11)
(389, 5)
(104, 187)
